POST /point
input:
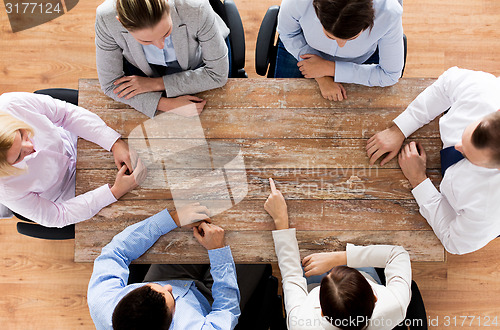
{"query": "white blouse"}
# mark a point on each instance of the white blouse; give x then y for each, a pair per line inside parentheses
(45, 192)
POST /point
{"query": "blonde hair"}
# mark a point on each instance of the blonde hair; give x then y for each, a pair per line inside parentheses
(8, 128)
(140, 14)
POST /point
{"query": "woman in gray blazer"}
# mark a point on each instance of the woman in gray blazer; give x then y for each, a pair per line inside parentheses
(151, 54)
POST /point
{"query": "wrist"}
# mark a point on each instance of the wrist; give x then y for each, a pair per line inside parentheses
(331, 68)
(163, 104)
(395, 129)
(417, 180)
(281, 223)
(158, 83)
(115, 191)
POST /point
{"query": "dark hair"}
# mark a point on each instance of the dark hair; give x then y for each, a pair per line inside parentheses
(142, 308)
(487, 135)
(345, 18)
(140, 14)
(346, 295)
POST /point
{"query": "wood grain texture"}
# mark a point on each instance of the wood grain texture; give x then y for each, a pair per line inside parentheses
(320, 183)
(225, 108)
(257, 153)
(172, 247)
(305, 215)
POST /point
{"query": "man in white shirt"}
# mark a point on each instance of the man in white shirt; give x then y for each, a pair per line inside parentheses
(465, 215)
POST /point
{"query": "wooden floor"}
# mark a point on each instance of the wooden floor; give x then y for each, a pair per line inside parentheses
(42, 288)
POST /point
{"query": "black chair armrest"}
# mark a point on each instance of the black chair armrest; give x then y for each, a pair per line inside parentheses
(64, 94)
(38, 231)
(265, 40)
(237, 35)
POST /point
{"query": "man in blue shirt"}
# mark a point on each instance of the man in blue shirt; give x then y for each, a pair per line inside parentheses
(172, 304)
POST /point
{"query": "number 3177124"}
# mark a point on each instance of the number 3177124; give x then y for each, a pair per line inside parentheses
(32, 8)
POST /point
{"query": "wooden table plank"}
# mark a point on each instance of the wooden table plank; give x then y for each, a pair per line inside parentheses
(371, 183)
(249, 215)
(258, 153)
(258, 246)
(279, 93)
(226, 123)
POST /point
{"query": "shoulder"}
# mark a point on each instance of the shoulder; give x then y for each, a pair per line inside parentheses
(188, 5)
(19, 99)
(296, 7)
(456, 72)
(106, 11)
(387, 9)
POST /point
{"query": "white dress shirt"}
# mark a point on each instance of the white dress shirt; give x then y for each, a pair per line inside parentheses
(304, 309)
(302, 33)
(45, 192)
(466, 214)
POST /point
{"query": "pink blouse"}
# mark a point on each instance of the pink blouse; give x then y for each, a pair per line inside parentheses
(45, 193)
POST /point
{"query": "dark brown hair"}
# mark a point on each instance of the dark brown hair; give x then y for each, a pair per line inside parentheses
(140, 14)
(347, 299)
(487, 135)
(142, 308)
(345, 18)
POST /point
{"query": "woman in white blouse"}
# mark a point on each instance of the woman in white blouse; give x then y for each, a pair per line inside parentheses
(348, 297)
(38, 137)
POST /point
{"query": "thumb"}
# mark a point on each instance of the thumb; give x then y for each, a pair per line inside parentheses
(196, 234)
(122, 170)
(306, 56)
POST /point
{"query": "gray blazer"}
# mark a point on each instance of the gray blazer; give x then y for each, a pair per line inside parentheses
(198, 35)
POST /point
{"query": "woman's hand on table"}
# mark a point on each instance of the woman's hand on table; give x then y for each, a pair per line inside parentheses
(123, 155)
(130, 86)
(331, 90)
(314, 66)
(185, 105)
(126, 182)
(275, 205)
(320, 263)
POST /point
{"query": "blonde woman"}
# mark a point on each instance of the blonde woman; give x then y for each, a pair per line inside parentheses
(38, 137)
(151, 54)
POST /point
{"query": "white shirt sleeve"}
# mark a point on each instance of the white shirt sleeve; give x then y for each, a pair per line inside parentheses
(60, 214)
(75, 119)
(432, 102)
(294, 283)
(456, 231)
(396, 262)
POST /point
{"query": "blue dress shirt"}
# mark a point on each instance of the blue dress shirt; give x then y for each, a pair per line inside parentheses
(162, 57)
(302, 33)
(108, 283)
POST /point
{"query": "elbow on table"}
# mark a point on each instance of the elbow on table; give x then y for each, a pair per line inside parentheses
(390, 79)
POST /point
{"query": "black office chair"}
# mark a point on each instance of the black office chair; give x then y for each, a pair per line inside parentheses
(416, 316)
(266, 48)
(229, 13)
(263, 311)
(26, 226)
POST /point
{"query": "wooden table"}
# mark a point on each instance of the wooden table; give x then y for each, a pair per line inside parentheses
(313, 148)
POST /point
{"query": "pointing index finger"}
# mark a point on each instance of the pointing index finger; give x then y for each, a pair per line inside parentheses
(273, 186)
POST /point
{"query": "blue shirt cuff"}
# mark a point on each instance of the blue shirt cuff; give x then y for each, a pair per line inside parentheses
(163, 221)
(220, 256)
